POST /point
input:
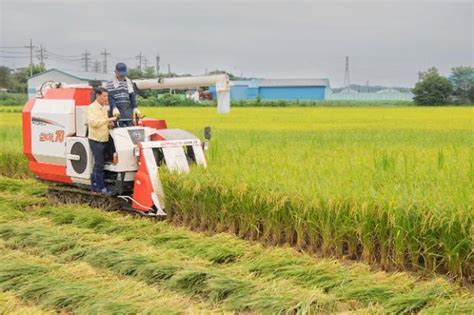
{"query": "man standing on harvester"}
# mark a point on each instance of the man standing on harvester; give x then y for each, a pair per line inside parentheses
(122, 97)
(99, 124)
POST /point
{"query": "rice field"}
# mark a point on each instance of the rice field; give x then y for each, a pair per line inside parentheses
(75, 259)
(390, 186)
(382, 190)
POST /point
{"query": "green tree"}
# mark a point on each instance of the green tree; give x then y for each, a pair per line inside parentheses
(217, 71)
(470, 94)
(462, 79)
(434, 89)
(168, 75)
(5, 77)
(20, 78)
(149, 73)
(134, 74)
(431, 70)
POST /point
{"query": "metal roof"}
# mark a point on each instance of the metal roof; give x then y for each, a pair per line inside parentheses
(294, 82)
(281, 82)
(81, 75)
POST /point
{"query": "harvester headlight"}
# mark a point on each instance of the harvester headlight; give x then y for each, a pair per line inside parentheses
(205, 145)
(136, 151)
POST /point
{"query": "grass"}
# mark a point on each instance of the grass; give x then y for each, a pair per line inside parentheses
(57, 257)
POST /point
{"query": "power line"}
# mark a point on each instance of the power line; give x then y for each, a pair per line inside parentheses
(64, 56)
(9, 51)
(14, 57)
(68, 58)
(11, 47)
(86, 58)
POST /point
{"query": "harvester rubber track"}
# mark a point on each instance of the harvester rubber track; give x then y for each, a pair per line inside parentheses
(64, 194)
(72, 195)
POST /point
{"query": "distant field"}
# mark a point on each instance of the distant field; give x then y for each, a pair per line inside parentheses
(390, 186)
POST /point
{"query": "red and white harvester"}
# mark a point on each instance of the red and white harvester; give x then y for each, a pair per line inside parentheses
(56, 145)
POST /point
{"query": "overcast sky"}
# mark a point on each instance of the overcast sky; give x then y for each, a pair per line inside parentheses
(388, 42)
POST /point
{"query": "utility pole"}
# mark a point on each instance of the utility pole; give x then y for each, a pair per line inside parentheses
(42, 55)
(347, 80)
(140, 59)
(30, 47)
(105, 54)
(157, 65)
(145, 62)
(86, 58)
(169, 76)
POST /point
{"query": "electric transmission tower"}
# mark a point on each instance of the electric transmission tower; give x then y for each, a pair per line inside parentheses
(140, 58)
(157, 64)
(105, 54)
(86, 57)
(347, 80)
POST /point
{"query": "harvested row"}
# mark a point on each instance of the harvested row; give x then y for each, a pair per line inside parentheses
(12, 304)
(166, 269)
(248, 269)
(76, 287)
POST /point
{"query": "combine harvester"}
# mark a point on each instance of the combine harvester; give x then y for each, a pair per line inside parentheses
(56, 145)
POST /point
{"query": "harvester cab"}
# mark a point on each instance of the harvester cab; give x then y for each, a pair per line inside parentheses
(56, 145)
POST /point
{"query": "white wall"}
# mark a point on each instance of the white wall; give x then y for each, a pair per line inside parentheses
(364, 96)
(35, 83)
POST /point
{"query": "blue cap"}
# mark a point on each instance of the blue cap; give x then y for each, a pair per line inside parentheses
(121, 69)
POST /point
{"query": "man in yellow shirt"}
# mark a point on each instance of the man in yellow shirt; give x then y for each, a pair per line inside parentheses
(99, 124)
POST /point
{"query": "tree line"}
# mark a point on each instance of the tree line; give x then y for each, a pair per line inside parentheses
(432, 89)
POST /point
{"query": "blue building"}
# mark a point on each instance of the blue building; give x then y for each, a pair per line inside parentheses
(278, 89)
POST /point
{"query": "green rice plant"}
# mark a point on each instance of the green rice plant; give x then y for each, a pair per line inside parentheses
(392, 186)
